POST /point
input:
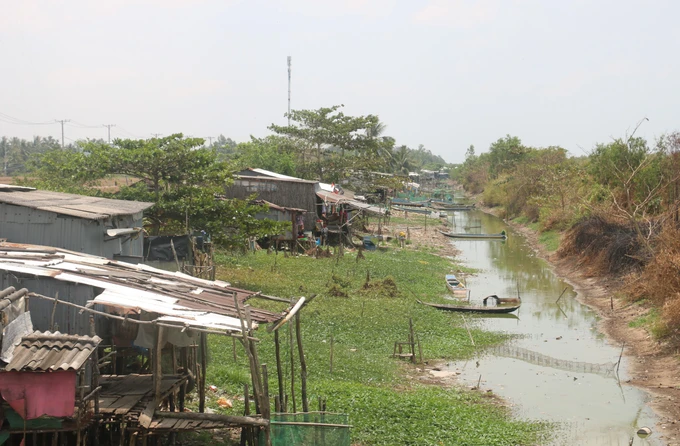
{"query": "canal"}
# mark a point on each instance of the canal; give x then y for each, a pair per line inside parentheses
(558, 367)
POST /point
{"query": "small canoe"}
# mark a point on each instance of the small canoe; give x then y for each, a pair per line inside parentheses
(471, 308)
(451, 208)
(404, 202)
(424, 211)
(502, 235)
(455, 286)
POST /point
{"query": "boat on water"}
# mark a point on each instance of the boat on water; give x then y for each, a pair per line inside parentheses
(502, 235)
(424, 211)
(405, 202)
(472, 308)
(456, 286)
(454, 206)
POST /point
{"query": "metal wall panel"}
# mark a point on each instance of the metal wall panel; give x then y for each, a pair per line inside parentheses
(32, 226)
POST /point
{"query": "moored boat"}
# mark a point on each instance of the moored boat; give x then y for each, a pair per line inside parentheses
(471, 308)
(456, 286)
(502, 235)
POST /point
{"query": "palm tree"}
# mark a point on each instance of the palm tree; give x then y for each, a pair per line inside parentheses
(401, 160)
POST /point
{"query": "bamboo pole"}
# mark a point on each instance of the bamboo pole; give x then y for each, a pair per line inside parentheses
(231, 419)
(266, 407)
(292, 366)
(204, 364)
(157, 363)
(303, 365)
(279, 368)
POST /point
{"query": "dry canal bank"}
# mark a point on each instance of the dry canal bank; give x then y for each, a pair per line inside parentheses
(559, 367)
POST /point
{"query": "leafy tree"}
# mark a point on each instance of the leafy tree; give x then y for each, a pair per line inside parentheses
(504, 154)
(324, 132)
(179, 175)
(401, 160)
(275, 153)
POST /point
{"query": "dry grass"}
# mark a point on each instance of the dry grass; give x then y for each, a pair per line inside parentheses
(607, 247)
(659, 281)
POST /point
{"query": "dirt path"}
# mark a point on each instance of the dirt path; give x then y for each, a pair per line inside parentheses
(653, 366)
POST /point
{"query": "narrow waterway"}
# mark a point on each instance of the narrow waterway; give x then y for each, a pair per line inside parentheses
(558, 368)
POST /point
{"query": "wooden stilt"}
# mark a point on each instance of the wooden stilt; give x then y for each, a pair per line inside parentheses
(204, 365)
(157, 362)
(279, 369)
(303, 364)
(292, 366)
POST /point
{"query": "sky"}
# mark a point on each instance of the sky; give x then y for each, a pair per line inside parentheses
(442, 73)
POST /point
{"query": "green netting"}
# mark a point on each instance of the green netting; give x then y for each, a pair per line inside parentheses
(310, 429)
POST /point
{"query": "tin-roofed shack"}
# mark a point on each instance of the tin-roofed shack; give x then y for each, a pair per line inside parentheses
(282, 190)
(153, 326)
(93, 225)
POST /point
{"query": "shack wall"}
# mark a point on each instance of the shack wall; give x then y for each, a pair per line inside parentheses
(20, 224)
(65, 317)
(291, 194)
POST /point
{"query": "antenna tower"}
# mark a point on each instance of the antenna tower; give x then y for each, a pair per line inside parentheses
(289, 59)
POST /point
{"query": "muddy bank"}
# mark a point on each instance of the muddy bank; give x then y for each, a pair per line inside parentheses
(653, 366)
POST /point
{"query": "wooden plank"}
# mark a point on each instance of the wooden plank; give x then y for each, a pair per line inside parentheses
(125, 404)
(146, 416)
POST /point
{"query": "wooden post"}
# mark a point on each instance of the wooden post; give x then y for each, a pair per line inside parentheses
(266, 407)
(254, 370)
(412, 340)
(157, 363)
(303, 364)
(233, 348)
(173, 358)
(204, 363)
(292, 366)
(331, 367)
(54, 310)
(279, 368)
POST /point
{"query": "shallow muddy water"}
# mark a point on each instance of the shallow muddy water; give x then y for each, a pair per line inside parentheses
(558, 368)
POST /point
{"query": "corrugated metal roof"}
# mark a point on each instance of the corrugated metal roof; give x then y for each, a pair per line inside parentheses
(91, 208)
(52, 351)
(175, 297)
(276, 207)
(342, 199)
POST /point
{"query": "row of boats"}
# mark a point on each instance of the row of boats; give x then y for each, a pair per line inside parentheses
(459, 291)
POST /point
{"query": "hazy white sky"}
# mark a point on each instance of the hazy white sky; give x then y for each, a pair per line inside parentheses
(443, 73)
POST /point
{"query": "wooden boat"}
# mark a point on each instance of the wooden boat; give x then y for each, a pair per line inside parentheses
(501, 235)
(452, 206)
(471, 308)
(455, 286)
(424, 211)
(405, 202)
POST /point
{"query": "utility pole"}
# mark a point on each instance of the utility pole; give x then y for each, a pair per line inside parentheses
(289, 59)
(62, 121)
(108, 126)
(156, 135)
(209, 138)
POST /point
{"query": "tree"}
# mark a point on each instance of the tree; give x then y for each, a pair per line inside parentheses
(504, 154)
(326, 131)
(401, 161)
(275, 153)
(179, 175)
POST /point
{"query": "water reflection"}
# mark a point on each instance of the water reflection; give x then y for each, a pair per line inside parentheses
(559, 368)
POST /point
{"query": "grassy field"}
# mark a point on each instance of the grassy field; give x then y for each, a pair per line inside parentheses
(385, 406)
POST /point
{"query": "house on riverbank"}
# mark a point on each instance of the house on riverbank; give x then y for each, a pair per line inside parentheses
(150, 328)
(93, 225)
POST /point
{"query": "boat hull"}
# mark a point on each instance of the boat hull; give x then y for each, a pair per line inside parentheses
(472, 309)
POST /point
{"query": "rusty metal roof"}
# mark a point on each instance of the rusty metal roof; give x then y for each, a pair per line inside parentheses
(82, 206)
(176, 298)
(43, 351)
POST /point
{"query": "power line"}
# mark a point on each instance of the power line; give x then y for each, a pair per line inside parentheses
(12, 120)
